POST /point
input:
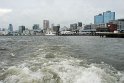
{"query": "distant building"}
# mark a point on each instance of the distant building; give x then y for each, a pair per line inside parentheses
(112, 27)
(36, 30)
(98, 19)
(73, 27)
(108, 15)
(45, 24)
(21, 29)
(56, 29)
(36, 27)
(89, 28)
(79, 24)
(10, 29)
(26, 32)
(102, 27)
(3, 33)
(120, 24)
(104, 18)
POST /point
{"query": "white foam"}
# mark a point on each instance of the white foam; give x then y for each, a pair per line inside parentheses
(59, 70)
(89, 76)
(122, 77)
(12, 54)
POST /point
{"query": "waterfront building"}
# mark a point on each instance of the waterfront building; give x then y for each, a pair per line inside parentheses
(45, 24)
(101, 25)
(37, 30)
(36, 27)
(104, 18)
(10, 28)
(89, 28)
(79, 24)
(3, 33)
(108, 15)
(56, 29)
(120, 25)
(73, 27)
(98, 19)
(26, 32)
(21, 29)
(112, 27)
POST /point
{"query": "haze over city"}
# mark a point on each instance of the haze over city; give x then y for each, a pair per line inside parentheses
(64, 12)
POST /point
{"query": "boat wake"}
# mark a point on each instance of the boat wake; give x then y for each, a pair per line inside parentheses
(53, 64)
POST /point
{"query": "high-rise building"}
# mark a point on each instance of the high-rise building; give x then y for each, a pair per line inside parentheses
(56, 28)
(98, 19)
(73, 27)
(104, 18)
(108, 15)
(35, 27)
(45, 24)
(21, 29)
(10, 28)
(79, 24)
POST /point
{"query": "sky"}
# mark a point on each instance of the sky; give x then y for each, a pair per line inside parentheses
(63, 12)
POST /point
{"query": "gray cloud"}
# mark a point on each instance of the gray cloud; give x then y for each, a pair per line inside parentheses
(64, 12)
(4, 11)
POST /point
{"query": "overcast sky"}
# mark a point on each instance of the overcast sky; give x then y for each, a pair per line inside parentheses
(63, 12)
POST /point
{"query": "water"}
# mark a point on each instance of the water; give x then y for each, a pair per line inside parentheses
(53, 59)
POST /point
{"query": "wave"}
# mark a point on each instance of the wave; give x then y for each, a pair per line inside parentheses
(52, 64)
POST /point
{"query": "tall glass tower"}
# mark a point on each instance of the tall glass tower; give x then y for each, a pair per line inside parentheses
(10, 28)
(108, 15)
(98, 19)
(104, 18)
(45, 24)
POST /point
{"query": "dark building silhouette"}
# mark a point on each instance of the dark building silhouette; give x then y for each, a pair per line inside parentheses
(56, 29)
(79, 24)
(10, 28)
(35, 27)
(73, 27)
(21, 29)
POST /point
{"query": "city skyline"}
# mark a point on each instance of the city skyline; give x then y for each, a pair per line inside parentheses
(64, 12)
(104, 18)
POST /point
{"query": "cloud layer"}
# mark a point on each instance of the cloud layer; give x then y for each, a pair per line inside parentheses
(5, 11)
(64, 12)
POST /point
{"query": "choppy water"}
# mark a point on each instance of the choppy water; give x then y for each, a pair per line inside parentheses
(53, 59)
